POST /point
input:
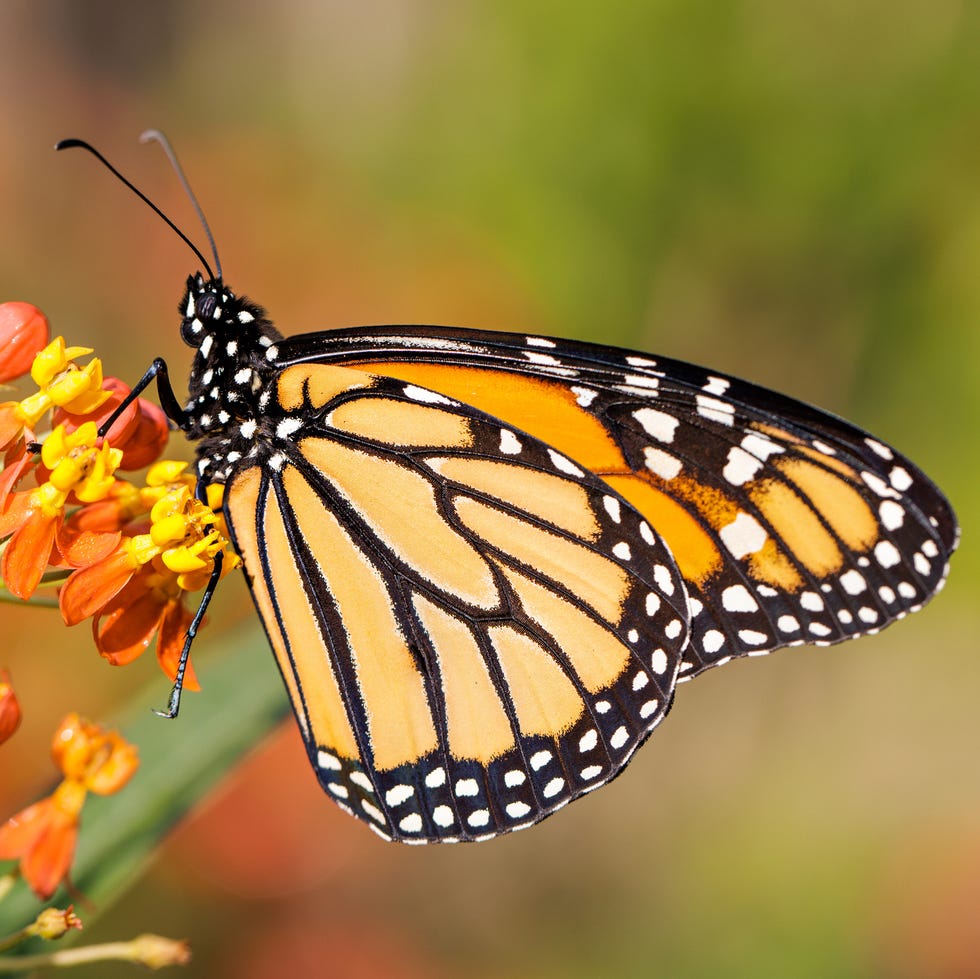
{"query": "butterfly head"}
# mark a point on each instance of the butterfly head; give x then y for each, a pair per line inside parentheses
(236, 356)
(209, 308)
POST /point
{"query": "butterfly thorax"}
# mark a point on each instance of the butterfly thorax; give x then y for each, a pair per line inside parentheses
(230, 385)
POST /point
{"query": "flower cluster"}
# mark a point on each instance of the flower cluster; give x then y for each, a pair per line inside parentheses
(122, 554)
(42, 836)
(125, 555)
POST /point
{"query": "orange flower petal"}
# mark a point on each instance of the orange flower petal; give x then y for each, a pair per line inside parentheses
(18, 510)
(117, 769)
(173, 632)
(28, 553)
(88, 590)
(47, 864)
(11, 476)
(71, 745)
(21, 832)
(127, 629)
(83, 548)
(111, 514)
(11, 424)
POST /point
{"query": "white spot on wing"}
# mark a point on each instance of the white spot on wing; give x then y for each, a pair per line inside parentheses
(553, 788)
(661, 463)
(886, 554)
(716, 385)
(612, 508)
(664, 579)
(565, 465)
(760, 446)
(361, 780)
(544, 359)
(712, 641)
(657, 424)
(510, 444)
(737, 598)
(743, 536)
(425, 395)
(853, 582)
(900, 479)
(642, 381)
(811, 601)
(878, 448)
(411, 823)
(442, 816)
(436, 778)
(539, 759)
(892, 514)
(715, 410)
(741, 466)
(398, 794)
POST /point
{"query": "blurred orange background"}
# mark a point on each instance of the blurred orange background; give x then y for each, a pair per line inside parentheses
(784, 193)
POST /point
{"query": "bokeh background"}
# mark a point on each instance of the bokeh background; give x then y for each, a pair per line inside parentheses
(785, 192)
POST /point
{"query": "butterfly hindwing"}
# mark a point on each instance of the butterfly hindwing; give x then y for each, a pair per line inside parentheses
(473, 629)
(788, 524)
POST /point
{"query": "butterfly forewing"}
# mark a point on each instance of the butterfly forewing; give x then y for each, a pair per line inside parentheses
(787, 524)
(473, 628)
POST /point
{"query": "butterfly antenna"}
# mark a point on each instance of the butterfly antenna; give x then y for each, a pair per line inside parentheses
(156, 136)
(67, 144)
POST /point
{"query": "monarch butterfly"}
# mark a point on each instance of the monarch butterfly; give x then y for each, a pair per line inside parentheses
(485, 560)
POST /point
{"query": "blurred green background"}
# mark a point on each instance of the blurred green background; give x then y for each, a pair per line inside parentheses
(784, 192)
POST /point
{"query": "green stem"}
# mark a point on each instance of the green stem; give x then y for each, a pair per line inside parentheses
(11, 941)
(107, 952)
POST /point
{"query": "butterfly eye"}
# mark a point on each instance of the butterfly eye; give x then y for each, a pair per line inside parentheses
(206, 306)
(192, 331)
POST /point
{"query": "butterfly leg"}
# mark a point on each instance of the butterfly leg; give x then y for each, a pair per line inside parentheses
(168, 400)
(173, 705)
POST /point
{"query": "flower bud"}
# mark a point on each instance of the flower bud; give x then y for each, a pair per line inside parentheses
(23, 334)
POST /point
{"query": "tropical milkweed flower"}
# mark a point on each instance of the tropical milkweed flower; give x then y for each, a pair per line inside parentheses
(62, 383)
(78, 467)
(127, 555)
(136, 592)
(140, 432)
(42, 837)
